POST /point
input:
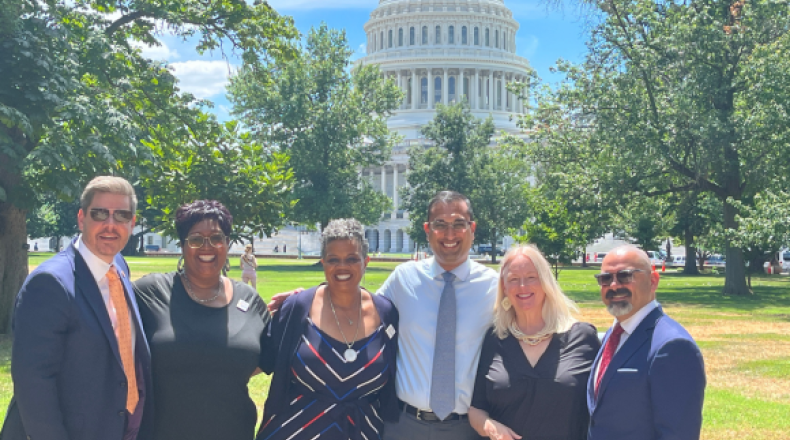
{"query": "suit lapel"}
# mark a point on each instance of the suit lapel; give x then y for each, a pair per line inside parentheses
(87, 286)
(591, 402)
(642, 334)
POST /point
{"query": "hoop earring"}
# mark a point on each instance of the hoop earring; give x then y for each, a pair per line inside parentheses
(180, 265)
(506, 304)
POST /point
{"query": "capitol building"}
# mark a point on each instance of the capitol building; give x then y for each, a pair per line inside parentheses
(438, 52)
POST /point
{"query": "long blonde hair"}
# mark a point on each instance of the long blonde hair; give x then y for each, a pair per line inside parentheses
(557, 310)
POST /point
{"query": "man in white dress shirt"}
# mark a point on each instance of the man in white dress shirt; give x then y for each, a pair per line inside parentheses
(416, 288)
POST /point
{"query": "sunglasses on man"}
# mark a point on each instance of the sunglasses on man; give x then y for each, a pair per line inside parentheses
(196, 241)
(119, 215)
(624, 276)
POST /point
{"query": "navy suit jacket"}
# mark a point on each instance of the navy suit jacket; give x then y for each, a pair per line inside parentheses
(68, 378)
(653, 388)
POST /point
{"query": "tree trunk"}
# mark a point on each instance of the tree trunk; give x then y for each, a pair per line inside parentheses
(584, 256)
(691, 253)
(493, 245)
(13, 260)
(735, 273)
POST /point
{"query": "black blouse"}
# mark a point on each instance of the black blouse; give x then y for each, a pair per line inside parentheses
(544, 402)
(202, 359)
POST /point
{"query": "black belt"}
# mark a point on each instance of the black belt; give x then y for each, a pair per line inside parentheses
(428, 416)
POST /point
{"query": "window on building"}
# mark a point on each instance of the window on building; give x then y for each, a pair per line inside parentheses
(466, 87)
(411, 36)
(488, 41)
(499, 92)
(451, 87)
(477, 36)
(463, 36)
(381, 40)
(425, 35)
(424, 91)
(409, 91)
(438, 37)
(437, 89)
(451, 35)
(504, 40)
(389, 41)
(150, 239)
(400, 37)
(496, 39)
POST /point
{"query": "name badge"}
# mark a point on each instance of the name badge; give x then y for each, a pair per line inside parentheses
(242, 305)
(390, 331)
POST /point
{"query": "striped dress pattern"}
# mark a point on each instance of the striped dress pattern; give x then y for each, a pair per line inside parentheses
(332, 399)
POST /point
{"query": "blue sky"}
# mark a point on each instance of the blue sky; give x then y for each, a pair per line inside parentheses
(544, 36)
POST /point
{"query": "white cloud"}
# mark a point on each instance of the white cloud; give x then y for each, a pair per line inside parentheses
(203, 79)
(307, 5)
(527, 45)
(156, 53)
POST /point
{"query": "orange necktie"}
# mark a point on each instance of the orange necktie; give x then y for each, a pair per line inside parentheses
(124, 334)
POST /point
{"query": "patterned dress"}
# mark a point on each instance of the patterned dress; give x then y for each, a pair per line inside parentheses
(331, 398)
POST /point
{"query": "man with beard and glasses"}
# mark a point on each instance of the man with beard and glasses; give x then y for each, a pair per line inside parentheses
(648, 380)
(80, 361)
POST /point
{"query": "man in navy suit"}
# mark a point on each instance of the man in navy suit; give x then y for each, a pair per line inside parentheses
(80, 362)
(648, 381)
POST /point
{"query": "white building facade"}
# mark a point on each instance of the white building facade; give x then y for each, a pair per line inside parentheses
(438, 52)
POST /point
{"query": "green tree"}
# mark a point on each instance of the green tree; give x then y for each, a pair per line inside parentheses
(77, 99)
(688, 97)
(227, 165)
(554, 230)
(463, 159)
(54, 218)
(330, 118)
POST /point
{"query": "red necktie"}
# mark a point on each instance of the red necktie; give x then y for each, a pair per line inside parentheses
(124, 334)
(608, 353)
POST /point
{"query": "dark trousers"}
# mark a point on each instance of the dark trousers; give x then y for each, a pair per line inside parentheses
(409, 428)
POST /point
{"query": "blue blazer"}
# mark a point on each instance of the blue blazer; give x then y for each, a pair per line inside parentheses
(68, 378)
(653, 388)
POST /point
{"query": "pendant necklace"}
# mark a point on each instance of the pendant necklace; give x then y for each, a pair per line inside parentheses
(350, 354)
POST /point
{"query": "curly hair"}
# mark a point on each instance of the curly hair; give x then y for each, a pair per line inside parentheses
(190, 214)
(345, 229)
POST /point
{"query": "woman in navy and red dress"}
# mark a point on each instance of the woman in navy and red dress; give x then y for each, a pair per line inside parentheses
(335, 345)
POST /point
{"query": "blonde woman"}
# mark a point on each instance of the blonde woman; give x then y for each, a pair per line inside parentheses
(248, 266)
(532, 375)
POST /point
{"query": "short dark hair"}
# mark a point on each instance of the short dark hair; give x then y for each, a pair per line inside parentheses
(450, 197)
(190, 214)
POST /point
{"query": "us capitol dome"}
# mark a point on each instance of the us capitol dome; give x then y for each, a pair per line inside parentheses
(438, 51)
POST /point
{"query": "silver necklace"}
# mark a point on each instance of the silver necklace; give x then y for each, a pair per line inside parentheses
(350, 354)
(188, 287)
(529, 339)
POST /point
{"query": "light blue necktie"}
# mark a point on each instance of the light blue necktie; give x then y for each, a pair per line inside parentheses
(443, 373)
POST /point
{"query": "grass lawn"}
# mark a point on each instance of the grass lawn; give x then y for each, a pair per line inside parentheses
(745, 340)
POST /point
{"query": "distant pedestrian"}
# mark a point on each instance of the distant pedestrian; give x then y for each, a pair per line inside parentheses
(248, 266)
(35, 247)
(276, 248)
(285, 248)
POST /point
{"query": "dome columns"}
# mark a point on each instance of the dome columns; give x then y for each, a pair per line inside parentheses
(482, 88)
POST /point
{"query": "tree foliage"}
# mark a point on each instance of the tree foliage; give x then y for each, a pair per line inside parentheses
(78, 99)
(684, 97)
(329, 118)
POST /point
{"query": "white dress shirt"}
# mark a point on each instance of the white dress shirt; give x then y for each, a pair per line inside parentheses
(99, 268)
(629, 326)
(415, 288)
